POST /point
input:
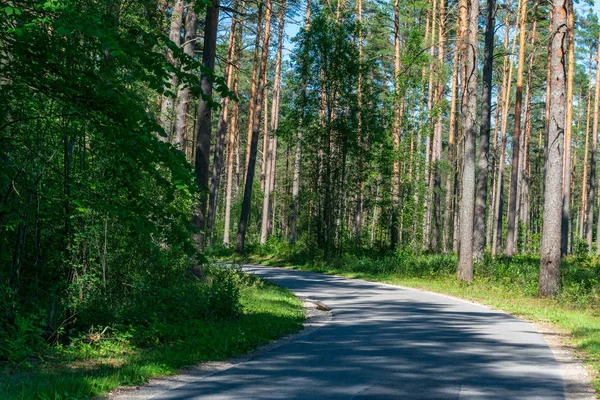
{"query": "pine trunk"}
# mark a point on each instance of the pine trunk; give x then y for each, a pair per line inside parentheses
(484, 135)
(298, 152)
(469, 132)
(549, 283)
(241, 235)
(166, 109)
(448, 216)
(568, 130)
(183, 94)
(204, 126)
(272, 150)
(506, 90)
(516, 145)
(593, 159)
(396, 129)
(215, 181)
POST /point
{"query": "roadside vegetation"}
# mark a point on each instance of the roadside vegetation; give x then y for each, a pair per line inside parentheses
(505, 283)
(228, 314)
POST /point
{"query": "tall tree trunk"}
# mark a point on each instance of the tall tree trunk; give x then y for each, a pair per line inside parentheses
(232, 145)
(396, 128)
(436, 153)
(253, 88)
(492, 193)
(215, 181)
(166, 108)
(469, 132)
(593, 158)
(298, 152)
(506, 90)
(591, 197)
(428, 142)
(265, 144)
(583, 211)
(585, 155)
(514, 170)
(359, 131)
(204, 127)
(448, 218)
(272, 151)
(568, 129)
(484, 134)
(551, 230)
(183, 94)
(523, 211)
(241, 235)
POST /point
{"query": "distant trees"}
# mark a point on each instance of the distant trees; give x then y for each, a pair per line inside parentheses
(371, 140)
(364, 143)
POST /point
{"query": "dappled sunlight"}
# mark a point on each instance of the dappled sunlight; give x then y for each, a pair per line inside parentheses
(390, 342)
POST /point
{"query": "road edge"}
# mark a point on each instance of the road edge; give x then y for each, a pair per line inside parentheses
(317, 315)
(577, 377)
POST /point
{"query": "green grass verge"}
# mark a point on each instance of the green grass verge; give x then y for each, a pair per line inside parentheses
(84, 372)
(582, 324)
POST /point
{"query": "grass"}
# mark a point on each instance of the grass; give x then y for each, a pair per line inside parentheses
(505, 284)
(92, 369)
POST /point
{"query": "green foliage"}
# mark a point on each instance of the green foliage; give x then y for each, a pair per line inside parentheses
(95, 229)
(20, 335)
(100, 360)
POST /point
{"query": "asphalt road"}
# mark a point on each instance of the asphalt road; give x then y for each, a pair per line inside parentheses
(386, 342)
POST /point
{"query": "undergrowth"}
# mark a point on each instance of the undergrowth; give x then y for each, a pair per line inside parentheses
(238, 313)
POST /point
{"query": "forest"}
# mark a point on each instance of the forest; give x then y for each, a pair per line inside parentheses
(141, 140)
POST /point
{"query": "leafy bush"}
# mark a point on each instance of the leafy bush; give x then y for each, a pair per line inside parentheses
(20, 335)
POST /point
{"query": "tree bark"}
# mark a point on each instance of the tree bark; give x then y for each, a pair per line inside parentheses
(593, 158)
(585, 157)
(215, 181)
(252, 105)
(549, 283)
(568, 130)
(514, 170)
(594, 146)
(204, 126)
(436, 153)
(396, 128)
(484, 134)
(359, 131)
(428, 142)
(166, 108)
(183, 94)
(448, 218)
(272, 151)
(469, 132)
(506, 89)
(233, 128)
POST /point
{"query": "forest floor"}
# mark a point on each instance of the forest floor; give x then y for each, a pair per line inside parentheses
(91, 370)
(573, 328)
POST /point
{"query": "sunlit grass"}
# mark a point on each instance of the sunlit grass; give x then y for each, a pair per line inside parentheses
(510, 287)
(91, 370)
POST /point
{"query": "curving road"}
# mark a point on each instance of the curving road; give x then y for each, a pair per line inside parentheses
(386, 342)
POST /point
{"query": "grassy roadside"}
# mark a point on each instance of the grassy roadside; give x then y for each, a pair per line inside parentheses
(580, 320)
(92, 369)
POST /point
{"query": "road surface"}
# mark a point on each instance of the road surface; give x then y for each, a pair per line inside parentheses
(387, 342)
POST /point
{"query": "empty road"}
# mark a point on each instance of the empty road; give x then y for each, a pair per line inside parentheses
(386, 342)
